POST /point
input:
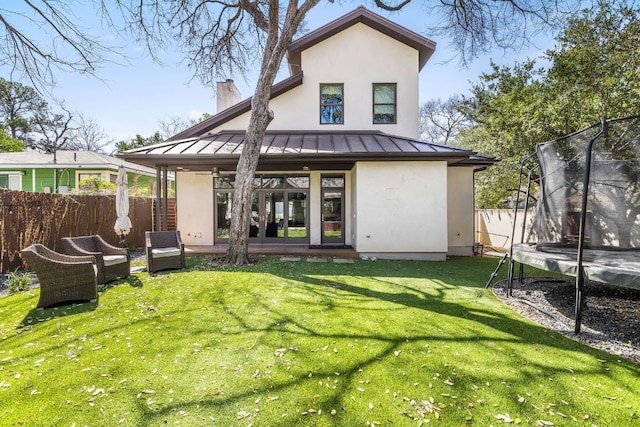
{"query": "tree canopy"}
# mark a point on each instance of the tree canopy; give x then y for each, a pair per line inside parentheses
(8, 144)
(138, 141)
(18, 105)
(593, 74)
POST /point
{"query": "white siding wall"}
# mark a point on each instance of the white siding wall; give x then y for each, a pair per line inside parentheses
(357, 57)
(315, 210)
(401, 210)
(460, 202)
(194, 203)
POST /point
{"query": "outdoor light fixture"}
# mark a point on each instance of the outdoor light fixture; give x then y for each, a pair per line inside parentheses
(215, 173)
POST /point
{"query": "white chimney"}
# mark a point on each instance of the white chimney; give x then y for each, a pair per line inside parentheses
(227, 94)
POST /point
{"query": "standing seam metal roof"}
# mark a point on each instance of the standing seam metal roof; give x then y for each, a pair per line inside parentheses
(294, 142)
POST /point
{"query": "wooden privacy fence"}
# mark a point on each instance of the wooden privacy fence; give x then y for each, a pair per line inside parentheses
(27, 218)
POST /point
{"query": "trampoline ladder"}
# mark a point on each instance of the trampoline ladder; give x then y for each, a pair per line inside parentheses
(495, 272)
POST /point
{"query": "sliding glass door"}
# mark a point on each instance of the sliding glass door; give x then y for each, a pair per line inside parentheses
(279, 211)
(333, 209)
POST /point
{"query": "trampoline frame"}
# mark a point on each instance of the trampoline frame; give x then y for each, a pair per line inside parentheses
(623, 267)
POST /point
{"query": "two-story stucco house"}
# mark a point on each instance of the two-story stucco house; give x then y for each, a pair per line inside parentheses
(341, 163)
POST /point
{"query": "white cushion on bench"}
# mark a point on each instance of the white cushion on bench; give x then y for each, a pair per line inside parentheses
(165, 252)
(114, 259)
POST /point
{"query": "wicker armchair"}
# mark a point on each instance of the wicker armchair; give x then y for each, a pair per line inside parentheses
(165, 250)
(112, 262)
(63, 278)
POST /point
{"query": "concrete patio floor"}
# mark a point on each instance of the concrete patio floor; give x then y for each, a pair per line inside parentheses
(289, 250)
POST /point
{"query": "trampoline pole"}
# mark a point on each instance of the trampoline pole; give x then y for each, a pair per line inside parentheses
(524, 222)
(583, 222)
(513, 230)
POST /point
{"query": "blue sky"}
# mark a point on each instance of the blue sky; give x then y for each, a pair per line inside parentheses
(131, 99)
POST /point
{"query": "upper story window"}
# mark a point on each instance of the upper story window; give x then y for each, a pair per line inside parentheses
(331, 104)
(384, 103)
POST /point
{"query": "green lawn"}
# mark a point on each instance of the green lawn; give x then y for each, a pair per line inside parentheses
(385, 343)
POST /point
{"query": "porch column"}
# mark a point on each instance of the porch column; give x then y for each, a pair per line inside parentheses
(165, 200)
(157, 225)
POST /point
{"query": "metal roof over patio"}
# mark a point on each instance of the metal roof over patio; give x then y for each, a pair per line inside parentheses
(300, 149)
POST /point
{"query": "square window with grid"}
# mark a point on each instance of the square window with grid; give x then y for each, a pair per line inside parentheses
(384, 103)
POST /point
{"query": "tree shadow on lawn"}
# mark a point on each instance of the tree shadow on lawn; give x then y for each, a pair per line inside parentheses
(70, 308)
(133, 282)
(289, 323)
(286, 323)
(448, 275)
(35, 315)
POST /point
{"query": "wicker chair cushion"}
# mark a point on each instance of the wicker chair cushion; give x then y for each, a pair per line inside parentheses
(165, 252)
(114, 259)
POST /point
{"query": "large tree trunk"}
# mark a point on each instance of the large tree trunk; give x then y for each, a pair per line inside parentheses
(261, 116)
(278, 40)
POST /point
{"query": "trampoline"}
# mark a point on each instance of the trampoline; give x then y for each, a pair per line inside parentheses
(586, 223)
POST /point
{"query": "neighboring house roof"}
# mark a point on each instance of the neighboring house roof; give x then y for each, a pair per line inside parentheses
(68, 159)
(315, 150)
(424, 46)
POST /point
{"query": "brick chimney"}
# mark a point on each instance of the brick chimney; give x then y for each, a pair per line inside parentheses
(227, 94)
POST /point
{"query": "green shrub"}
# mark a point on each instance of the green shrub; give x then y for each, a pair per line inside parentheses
(18, 282)
(95, 185)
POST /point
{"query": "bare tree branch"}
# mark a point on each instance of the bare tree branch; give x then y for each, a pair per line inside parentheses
(88, 135)
(442, 121)
(40, 37)
(391, 7)
(52, 131)
(476, 26)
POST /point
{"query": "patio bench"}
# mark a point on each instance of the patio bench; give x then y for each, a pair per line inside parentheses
(112, 262)
(63, 278)
(164, 250)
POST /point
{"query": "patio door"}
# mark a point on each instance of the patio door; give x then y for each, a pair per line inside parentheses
(333, 217)
(279, 209)
(333, 209)
(279, 216)
(267, 213)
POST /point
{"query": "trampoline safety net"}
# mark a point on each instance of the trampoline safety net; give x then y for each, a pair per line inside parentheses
(613, 197)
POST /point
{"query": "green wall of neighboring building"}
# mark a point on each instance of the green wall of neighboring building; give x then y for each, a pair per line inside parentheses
(44, 178)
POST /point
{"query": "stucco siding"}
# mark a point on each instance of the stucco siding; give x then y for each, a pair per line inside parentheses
(194, 206)
(402, 207)
(352, 213)
(460, 207)
(315, 210)
(352, 58)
